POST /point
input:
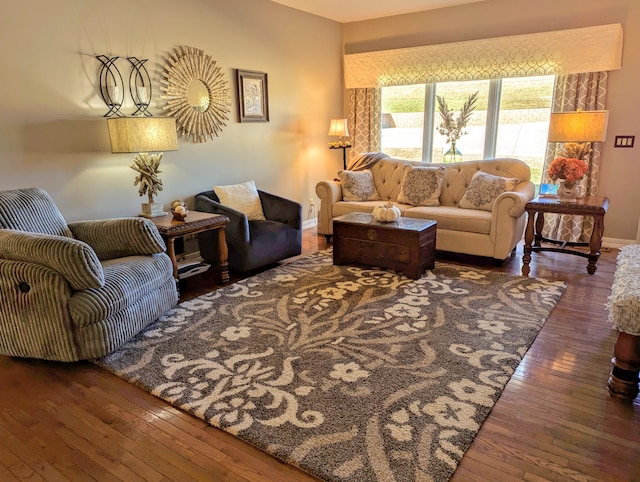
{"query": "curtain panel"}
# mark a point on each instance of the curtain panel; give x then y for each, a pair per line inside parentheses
(587, 91)
(364, 118)
(588, 49)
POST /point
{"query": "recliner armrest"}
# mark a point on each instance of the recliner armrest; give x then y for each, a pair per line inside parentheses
(72, 258)
(120, 237)
(280, 209)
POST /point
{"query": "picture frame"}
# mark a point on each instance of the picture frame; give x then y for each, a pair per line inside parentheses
(253, 96)
(548, 190)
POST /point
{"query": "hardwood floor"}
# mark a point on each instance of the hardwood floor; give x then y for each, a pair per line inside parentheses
(554, 421)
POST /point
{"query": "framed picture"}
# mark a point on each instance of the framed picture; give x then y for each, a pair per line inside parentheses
(548, 190)
(253, 101)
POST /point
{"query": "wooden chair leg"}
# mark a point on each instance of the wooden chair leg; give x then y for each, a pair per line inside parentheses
(623, 380)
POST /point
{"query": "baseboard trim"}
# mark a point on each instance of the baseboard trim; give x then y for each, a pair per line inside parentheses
(616, 243)
(309, 223)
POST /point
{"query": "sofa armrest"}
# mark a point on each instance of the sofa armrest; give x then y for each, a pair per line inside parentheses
(280, 209)
(329, 192)
(237, 231)
(119, 237)
(75, 260)
(520, 196)
(508, 218)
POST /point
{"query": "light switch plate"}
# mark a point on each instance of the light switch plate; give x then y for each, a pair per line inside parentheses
(624, 141)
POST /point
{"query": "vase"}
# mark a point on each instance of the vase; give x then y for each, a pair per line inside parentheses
(568, 191)
(452, 155)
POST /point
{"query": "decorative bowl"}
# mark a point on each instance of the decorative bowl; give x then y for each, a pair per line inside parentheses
(179, 215)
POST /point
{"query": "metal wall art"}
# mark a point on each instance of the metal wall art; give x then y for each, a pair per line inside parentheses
(140, 86)
(111, 85)
(197, 93)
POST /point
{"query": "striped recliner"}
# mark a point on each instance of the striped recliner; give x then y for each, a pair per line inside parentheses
(80, 290)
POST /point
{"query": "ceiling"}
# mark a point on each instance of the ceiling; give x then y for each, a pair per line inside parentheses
(354, 10)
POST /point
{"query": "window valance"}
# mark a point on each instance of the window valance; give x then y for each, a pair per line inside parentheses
(589, 49)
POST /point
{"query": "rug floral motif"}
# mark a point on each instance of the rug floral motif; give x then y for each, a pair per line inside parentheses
(350, 373)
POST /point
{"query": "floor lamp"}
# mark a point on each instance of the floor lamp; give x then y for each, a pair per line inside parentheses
(338, 128)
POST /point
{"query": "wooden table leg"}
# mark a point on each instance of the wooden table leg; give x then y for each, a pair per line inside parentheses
(623, 380)
(223, 256)
(539, 225)
(595, 243)
(528, 240)
(171, 251)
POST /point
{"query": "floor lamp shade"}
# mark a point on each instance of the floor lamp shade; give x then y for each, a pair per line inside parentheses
(579, 126)
(142, 134)
(338, 127)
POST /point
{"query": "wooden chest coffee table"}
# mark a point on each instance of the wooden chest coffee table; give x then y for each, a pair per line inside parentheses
(407, 245)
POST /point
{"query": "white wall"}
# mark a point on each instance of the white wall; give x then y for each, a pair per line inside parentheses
(620, 173)
(53, 135)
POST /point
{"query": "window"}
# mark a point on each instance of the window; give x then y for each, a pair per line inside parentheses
(511, 119)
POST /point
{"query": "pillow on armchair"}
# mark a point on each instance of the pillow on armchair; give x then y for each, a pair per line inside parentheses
(252, 242)
(242, 197)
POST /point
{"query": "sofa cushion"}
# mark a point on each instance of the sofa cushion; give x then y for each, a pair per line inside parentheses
(483, 190)
(242, 197)
(421, 186)
(358, 186)
(453, 218)
(126, 281)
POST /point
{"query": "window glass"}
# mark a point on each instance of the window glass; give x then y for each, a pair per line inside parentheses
(471, 142)
(402, 119)
(525, 108)
(520, 106)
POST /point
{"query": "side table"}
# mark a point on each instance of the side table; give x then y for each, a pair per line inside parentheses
(195, 222)
(589, 206)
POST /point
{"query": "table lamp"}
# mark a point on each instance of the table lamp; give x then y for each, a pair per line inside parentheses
(578, 130)
(142, 135)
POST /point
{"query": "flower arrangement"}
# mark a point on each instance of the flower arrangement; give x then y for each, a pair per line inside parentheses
(568, 168)
(452, 128)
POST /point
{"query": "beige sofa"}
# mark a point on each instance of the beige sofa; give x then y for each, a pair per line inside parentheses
(493, 233)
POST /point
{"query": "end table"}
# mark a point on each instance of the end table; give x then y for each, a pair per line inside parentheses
(589, 206)
(195, 222)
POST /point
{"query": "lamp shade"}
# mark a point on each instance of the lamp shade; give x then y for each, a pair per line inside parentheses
(142, 134)
(579, 126)
(338, 127)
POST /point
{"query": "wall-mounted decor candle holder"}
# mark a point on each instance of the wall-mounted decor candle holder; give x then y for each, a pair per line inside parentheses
(140, 86)
(111, 85)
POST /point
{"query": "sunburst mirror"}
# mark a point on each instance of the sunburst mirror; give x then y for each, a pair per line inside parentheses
(197, 94)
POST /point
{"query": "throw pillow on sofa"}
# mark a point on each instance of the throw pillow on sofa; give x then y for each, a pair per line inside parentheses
(358, 186)
(242, 197)
(483, 190)
(421, 186)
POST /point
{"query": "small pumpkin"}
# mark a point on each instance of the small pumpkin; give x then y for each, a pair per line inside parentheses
(386, 213)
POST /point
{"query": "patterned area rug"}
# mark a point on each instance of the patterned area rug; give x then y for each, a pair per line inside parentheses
(348, 373)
